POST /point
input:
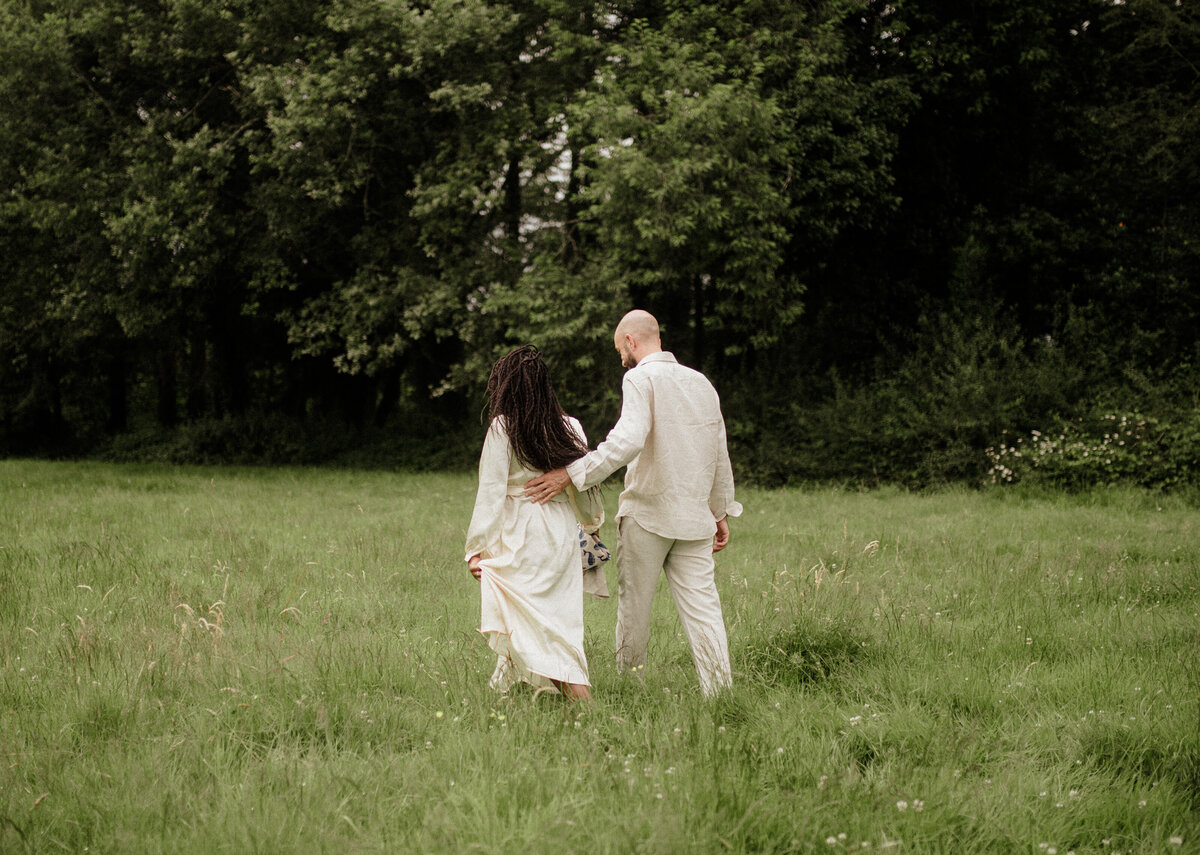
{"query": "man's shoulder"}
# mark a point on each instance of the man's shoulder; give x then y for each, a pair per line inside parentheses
(684, 373)
(663, 362)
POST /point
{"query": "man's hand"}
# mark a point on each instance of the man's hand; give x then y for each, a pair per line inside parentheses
(722, 538)
(473, 566)
(545, 487)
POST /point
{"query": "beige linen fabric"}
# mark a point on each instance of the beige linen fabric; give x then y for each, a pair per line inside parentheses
(672, 438)
(679, 482)
(688, 565)
(531, 581)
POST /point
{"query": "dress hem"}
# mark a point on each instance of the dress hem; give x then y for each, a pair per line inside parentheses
(489, 634)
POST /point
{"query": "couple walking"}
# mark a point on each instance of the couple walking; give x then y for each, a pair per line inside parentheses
(522, 543)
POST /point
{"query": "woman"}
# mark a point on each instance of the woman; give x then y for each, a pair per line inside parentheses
(526, 555)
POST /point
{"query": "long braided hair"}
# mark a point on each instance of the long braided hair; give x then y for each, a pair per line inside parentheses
(519, 389)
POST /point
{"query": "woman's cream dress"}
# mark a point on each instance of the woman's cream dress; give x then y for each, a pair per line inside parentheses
(531, 580)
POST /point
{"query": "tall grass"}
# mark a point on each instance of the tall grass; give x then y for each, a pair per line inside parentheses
(279, 661)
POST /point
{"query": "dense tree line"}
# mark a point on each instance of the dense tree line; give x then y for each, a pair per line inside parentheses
(890, 231)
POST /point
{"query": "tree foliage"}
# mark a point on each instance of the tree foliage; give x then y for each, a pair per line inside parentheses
(222, 217)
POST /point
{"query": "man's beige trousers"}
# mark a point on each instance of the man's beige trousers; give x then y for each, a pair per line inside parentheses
(688, 565)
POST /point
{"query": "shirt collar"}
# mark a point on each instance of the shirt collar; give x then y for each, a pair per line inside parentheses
(661, 356)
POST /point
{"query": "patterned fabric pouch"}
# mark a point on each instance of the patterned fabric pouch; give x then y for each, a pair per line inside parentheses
(592, 552)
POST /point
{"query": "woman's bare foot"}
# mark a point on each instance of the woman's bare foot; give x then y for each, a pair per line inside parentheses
(573, 691)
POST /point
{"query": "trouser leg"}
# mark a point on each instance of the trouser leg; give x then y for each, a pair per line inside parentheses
(640, 557)
(690, 571)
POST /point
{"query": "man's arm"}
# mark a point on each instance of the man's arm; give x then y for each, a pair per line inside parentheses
(623, 443)
(722, 538)
(546, 486)
(720, 497)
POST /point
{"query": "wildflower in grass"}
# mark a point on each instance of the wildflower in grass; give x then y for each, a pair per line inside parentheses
(831, 841)
(901, 805)
(1176, 840)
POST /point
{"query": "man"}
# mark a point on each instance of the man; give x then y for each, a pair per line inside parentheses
(678, 494)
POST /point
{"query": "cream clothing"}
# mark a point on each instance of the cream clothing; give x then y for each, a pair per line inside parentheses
(531, 581)
(678, 483)
(688, 566)
(671, 436)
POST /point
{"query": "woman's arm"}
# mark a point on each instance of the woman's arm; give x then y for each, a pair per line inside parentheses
(483, 534)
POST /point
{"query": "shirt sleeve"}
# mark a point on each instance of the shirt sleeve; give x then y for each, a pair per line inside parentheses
(588, 505)
(720, 500)
(623, 443)
(483, 534)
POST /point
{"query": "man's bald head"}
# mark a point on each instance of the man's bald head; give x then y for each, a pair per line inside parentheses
(641, 325)
(637, 336)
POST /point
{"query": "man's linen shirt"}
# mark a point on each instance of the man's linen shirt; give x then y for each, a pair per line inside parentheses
(671, 436)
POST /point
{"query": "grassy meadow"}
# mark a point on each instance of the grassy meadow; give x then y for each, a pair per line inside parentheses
(286, 661)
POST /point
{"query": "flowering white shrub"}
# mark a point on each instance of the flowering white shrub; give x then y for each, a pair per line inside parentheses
(1110, 448)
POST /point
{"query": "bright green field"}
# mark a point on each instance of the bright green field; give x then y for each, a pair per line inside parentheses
(285, 661)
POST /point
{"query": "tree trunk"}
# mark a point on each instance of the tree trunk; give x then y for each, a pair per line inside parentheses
(117, 383)
(167, 405)
(389, 396)
(571, 233)
(229, 384)
(197, 369)
(352, 399)
(673, 311)
(512, 197)
(44, 406)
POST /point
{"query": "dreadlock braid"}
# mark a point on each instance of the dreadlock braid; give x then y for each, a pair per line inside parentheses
(519, 389)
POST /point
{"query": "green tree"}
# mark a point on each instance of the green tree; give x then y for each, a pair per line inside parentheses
(1139, 310)
(685, 178)
(60, 349)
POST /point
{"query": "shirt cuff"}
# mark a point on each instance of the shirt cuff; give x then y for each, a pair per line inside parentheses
(733, 509)
(577, 472)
